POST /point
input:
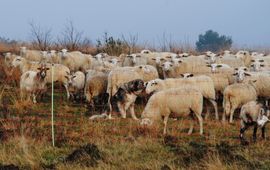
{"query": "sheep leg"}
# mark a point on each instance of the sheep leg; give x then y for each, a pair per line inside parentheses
(214, 103)
(68, 94)
(231, 115)
(255, 132)
(191, 124)
(110, 107)
(207, 111)
(199, 116)
(34, 98)
(133, 115)
(165, 121)
(263, 132)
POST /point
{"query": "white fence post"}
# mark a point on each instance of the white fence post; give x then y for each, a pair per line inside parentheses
(52, 118)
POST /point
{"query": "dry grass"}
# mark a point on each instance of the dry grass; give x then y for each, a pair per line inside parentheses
(26, 139)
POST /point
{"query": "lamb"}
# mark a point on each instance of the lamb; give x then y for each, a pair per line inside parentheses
(188, 101)
(126, 96)
(76, 81)
(203, 83)
(32, 83)
(253, 114)
(235, 96)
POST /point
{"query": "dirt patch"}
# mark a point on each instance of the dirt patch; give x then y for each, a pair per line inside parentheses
(9, 167)
(87, 155)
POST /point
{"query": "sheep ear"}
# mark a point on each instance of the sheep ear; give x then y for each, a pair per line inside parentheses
(66, 77)
(168, 56)
(154, 59)
(162, 59)
(262, 65)
(208, 65)
(67, 72)
(219, 65)
(191, 75)
(247, 74)
(39, 68)
(138, 56)
(182, 75)
(234, 74)
(140, 67)
(47, 68)
(252, 65)
(236, 69)
(261, 61)
(179, 61)
(245, 69)
(252, 60)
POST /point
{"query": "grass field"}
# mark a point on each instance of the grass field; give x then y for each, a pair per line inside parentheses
(25, 133)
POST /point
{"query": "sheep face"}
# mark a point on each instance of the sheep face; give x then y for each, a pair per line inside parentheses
(211, 56)
(159, 60)
(152, 86)
(241, 73)
(242, 54)
(114, 61)
(17, 61)
(42, 71)
(257, 64)
(186, 75)
(99, 57)
(133, 58)
(145, 52)
(214, 67)
(167, 66)
(23, 50)
(146, 121)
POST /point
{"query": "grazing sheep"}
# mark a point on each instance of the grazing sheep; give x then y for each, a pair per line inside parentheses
(235, 96)
(188, 101)
(253, 114)
(24, 64)
(203, 83)
(33, 83)
(96, 85)
(126, 96)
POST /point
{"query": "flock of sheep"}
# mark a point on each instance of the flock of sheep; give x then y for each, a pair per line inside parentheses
(179, 84)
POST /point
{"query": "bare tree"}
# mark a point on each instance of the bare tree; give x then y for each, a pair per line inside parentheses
(130, 42)
(72, 39)
(41, 38)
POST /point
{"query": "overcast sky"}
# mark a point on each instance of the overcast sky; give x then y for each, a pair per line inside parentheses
(247, 21)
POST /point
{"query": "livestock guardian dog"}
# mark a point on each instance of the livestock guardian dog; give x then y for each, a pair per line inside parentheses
(126, 96)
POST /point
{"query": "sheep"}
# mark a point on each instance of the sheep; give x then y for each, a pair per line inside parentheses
(75, 60)
(54, 57)
(259, 65)
(190, 64)
(88, 75)
(60, 71)
(76, 81)
(96, 85)
(126, 96)
(187, 101)
(146, 52)
(235, 96)
(24, 64)
(244, 56)
(32, 55)
(9, 58)
(33, 82)
(210, 56)
(134, 60)
(253, 114)
(215, 67)
(203, 83)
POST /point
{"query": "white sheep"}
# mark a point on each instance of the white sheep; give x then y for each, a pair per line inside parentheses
(32, 55)
(203, 83)
(235, 96)
(75, 60)
(215, 67)
(134, 60)
(187, 101)
(32, 83)
(253, 114)
(76, 81)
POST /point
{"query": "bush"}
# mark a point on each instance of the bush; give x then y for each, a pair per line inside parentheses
(212, 41)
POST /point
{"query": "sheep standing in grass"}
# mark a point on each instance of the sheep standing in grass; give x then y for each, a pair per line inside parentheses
(33, 83)
(253, 114)
(235, 96)
(188, 101)
(77, 82)
(203, 83)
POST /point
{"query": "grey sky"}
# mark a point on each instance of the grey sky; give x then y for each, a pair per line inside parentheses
(247, 21)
